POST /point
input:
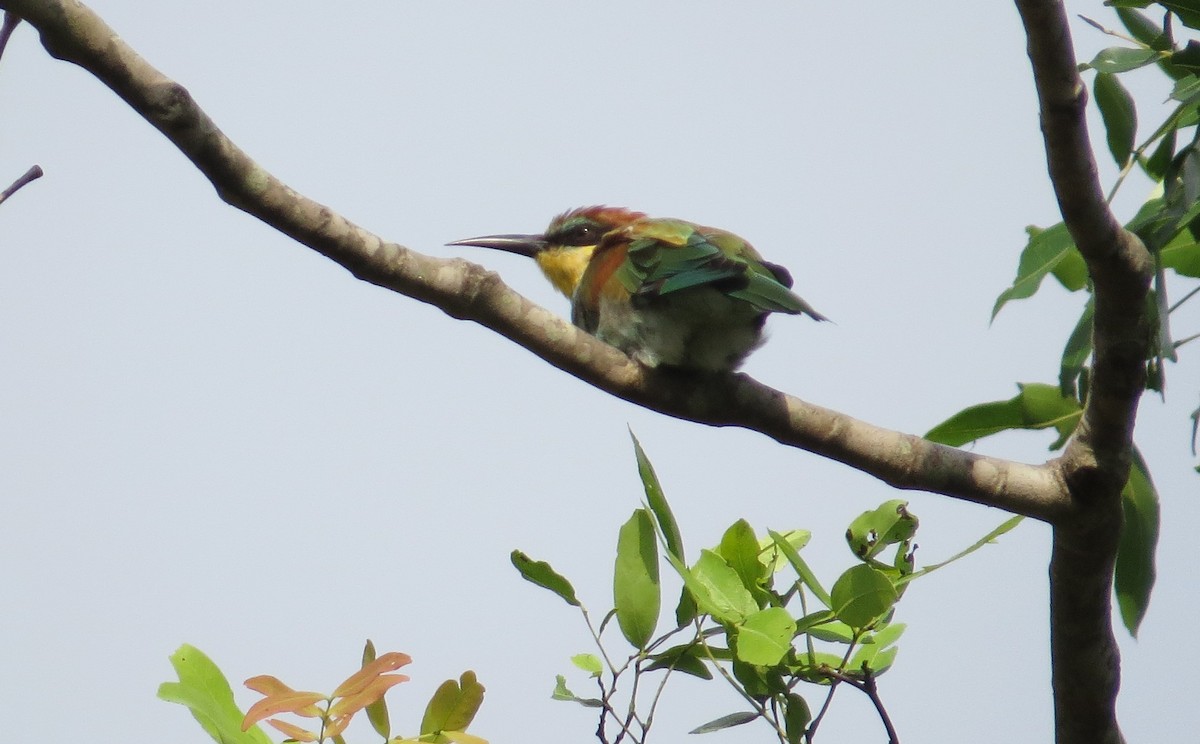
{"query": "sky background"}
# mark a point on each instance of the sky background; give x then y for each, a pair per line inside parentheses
(210, 434)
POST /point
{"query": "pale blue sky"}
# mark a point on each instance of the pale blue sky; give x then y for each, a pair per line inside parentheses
(209, 434)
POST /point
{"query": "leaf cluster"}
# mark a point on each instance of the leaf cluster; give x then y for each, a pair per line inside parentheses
(751, 612)
(206, 692)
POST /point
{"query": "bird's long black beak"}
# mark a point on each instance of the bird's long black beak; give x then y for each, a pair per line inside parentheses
(524, 245)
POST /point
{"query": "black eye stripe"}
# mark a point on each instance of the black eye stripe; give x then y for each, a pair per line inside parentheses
(585, 233)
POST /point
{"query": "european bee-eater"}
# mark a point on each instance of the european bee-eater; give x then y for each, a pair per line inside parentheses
(664, 291)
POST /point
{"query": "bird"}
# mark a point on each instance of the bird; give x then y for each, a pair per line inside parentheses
(667, 292)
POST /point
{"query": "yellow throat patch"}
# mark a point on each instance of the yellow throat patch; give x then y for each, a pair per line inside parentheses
(564, 266)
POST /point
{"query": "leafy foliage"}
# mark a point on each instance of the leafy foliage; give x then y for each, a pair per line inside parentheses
(757, 617)
(203, 688)
(205, 691)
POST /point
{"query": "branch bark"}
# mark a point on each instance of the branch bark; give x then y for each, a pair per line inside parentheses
(1095, 464)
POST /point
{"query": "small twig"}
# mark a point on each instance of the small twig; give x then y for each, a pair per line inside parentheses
(816, 721)
(759, 708)
(1183, 341)
(867, 685)
(10, 22)
(662, 684)
(1183, 299)
(631, 716)
(1195, 429)
(1110, 32)
(587, 619)
(811, 731)
(606, 708)
(32, 174)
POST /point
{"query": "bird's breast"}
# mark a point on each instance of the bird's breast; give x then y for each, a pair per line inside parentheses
(700, 329)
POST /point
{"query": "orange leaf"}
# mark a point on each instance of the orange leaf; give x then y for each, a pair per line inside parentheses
(335, 726)
(300, 703)
(267, 685)
(375, 689)
(293, 732)
(356, 682)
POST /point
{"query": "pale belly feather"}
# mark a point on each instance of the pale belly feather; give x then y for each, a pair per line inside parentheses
(696, 329)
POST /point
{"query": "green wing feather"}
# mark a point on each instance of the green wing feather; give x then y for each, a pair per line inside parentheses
(666, 256)
(767, 293)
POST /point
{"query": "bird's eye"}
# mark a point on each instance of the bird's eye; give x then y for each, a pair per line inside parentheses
(586, 233)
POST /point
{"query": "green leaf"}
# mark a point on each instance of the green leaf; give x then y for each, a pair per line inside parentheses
(718, 590)
(589, 663)
(1183, 258)
(540, 573)
(1005, 526)
(1181, 187)
(637, 597)
(377, 712)
(801, 568)
(864, 656)
(1077, 352)
(739, 548)
(562, 693)
(687, 658)
(834, 631)
(1135, 571)
(1036, 406)
(765, 636)
(685, 609)
(861, 595)
(1044, 406)
(724, 722)
(205, 691)
(882, 661)
(1187, 11)
(977, 422)
(1166, 225)
(1143, 29)
(1186, 60)
(796, 717)
(1150, 218)
(876, 651)
(1186, 89)
(1045, 250)
(1156, 165)
(873, 531)
(658, 501)
(1119, 114)
(771, 557)
(814, 619)
(453, 705)
(1071, 272)
(885, 636)
(1122, 59)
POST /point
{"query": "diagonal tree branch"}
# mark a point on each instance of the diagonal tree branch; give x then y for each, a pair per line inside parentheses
(72, 32)
(1095, 465)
